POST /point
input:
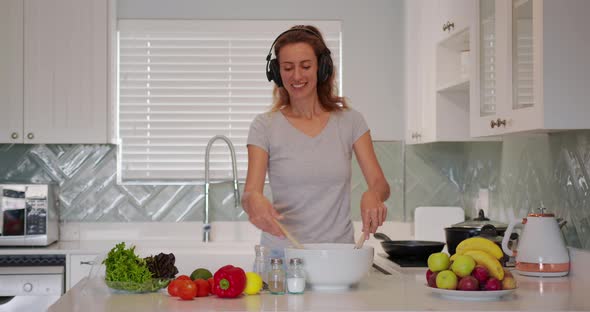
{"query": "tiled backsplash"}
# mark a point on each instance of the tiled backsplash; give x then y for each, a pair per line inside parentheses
(521, 173)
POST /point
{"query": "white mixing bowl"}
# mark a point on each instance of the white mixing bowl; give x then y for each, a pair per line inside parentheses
(333, 266)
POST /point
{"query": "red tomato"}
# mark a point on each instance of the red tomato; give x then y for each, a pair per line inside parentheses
(202, 287)
(187, 290)
(173, 288)
(184, 277)
(211, 285)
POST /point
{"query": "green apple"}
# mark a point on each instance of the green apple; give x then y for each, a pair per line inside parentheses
(438, 261)
(446, 280)
(463, 265)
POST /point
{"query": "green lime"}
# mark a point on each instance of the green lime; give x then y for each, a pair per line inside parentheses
(201, 273)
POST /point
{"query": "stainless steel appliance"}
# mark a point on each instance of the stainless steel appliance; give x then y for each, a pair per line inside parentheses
(28, 214)
(30, 282)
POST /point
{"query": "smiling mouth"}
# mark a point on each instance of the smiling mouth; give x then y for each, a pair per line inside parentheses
(300, 85)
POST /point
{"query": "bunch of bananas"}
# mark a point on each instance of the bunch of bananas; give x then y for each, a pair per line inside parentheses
(484, 252)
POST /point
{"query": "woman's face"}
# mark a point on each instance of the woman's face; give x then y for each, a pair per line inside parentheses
(299, 67)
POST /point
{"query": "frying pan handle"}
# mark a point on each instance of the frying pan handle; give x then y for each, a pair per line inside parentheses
(381, 236)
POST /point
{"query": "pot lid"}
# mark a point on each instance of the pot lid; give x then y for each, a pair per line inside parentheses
(479, 222)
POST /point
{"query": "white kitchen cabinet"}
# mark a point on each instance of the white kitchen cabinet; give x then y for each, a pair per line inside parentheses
(453, 16)
(416, 71)
(11, 73)
(437, 75)
(78, 267)
(59, 64)
(533, 71)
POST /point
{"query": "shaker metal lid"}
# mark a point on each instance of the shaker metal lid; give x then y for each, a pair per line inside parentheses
(479, 222)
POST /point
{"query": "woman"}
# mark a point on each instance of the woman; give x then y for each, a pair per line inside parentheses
(306, 143)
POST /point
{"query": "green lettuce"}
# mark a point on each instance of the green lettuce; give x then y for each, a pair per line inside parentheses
(123, 265)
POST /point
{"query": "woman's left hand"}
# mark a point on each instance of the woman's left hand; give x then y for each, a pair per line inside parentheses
(373, 212)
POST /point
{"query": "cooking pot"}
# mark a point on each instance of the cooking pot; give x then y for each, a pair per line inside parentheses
(409, 249)
(480, 226)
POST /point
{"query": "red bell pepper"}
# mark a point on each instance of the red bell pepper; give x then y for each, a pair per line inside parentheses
(230, 281)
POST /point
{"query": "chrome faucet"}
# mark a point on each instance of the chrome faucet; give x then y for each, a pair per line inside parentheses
(206, 224)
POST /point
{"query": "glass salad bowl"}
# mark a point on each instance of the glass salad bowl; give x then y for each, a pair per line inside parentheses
(98, 276)
(151, 285)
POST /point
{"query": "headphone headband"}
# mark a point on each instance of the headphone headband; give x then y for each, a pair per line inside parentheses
(294, 29)
(325, 66)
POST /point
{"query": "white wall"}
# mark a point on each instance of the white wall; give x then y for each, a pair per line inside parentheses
(372, 43)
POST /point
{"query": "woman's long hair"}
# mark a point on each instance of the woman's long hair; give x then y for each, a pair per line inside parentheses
(327, 90)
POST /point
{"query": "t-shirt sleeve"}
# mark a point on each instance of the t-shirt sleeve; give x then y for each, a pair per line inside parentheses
(359, 125)
(259, 132)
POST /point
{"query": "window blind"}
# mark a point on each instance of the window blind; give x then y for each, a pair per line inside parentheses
(181, 82)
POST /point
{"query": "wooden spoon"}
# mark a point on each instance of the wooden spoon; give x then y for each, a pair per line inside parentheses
(360, 242)
(289, 236)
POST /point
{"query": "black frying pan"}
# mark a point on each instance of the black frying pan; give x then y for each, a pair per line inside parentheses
(414, 249)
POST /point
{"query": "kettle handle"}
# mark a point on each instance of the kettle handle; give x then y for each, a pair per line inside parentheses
(507, 234)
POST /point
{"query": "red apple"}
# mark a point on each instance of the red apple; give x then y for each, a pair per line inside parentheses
(428, 274)
(432, 280)
(493, 284)
(480, 273)
(468, 283)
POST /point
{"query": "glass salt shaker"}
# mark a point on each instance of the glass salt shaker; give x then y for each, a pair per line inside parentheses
(276, 277)
(295, 276)
(261, 263)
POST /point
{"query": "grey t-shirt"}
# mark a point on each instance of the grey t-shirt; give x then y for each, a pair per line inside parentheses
(310, 176)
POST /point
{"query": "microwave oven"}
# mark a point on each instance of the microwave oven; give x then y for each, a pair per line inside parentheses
(28, 214)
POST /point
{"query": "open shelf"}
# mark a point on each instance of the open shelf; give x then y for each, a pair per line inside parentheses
(453, 62)
(457, 42)
(456, 86)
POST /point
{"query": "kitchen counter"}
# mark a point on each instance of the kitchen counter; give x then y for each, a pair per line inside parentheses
(103, 246)
(403, 290)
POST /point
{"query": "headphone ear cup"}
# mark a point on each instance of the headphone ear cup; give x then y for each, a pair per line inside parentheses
(325, 67)
(274, 72)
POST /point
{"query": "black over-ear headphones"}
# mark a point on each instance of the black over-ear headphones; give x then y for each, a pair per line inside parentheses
(325, 66)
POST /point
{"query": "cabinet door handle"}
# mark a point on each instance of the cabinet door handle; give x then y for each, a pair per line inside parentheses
(451, 26)
(501, 122)
(86, 262)
(493, 124)
(30, 136)
(14, 135)
(446, 26)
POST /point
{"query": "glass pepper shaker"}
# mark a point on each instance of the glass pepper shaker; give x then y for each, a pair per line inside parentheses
(276, 277)
(261, 264)
(296, 276)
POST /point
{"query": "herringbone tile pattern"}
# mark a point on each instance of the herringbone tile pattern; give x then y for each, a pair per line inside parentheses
(521, 174)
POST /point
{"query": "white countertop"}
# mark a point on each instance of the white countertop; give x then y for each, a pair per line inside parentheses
(102, 246)
(183, 239)
(401, 291)
(404, 290)
(96, 238)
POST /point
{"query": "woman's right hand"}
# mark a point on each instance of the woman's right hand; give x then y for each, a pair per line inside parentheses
(262, 214)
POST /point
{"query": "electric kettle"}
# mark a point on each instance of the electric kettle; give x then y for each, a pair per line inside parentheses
(541, 249)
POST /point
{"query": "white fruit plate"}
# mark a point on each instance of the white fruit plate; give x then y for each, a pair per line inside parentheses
(480, 295)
